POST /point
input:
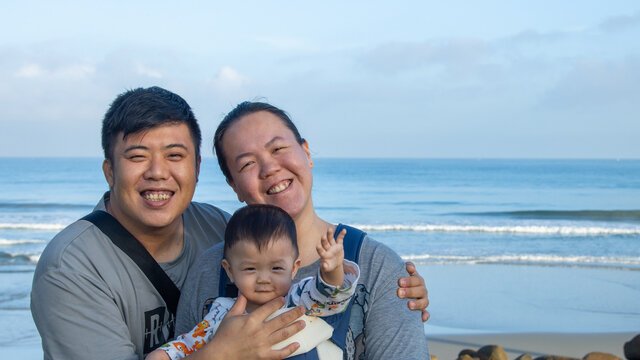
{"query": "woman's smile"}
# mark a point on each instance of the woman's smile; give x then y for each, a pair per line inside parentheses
(279, 187)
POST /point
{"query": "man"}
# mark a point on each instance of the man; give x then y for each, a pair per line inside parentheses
(89, 298)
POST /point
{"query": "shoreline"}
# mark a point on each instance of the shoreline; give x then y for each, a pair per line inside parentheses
(576, 345)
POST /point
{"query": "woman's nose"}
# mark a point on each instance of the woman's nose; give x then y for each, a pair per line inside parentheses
(268, 167)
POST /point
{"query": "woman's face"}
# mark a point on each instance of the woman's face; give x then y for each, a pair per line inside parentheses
(267, 164)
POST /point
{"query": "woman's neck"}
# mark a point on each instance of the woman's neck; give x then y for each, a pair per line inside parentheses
(310, 229)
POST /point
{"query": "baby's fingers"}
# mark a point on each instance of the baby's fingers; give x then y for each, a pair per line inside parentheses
(341, 236)
(325, 243)
(330, 240)
(320, 249)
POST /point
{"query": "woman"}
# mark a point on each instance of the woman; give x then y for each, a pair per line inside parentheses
(266, 161)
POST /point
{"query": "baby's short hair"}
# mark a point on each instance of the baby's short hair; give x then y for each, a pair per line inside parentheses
(260, 225)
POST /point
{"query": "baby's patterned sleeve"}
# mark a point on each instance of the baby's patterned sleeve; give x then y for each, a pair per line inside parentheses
(188, 343)
(322, 299)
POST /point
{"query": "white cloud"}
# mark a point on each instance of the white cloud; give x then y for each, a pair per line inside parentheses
(148, 72)
(76, 71)
(229, 78)
(29, 71)
(67, 72)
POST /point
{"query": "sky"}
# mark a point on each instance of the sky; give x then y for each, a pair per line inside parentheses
(361, 79)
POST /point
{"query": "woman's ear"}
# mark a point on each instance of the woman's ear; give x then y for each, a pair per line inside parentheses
(235, 189)
(227, 268)
(296, 267)
(107, 169)
(305, 148)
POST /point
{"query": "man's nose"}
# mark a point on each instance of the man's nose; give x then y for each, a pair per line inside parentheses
(158, 168)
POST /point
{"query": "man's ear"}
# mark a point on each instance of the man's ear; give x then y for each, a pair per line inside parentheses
(235, 189)
(305, 148)
(198, 161)
(296, 267)
(107, 169)
(227, 268)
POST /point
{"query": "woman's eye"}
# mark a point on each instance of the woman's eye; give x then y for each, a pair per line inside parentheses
(245, 165)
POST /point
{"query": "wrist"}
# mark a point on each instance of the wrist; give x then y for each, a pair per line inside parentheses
(333, 278)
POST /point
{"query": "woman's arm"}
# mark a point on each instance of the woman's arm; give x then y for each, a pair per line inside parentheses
(391, 330)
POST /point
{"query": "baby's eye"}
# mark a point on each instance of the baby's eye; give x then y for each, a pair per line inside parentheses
(278, 268)
(249, 269)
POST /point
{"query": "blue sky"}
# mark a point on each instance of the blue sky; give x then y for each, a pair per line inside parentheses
(472, 79)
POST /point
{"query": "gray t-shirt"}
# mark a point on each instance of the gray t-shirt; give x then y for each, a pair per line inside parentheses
(90, 299)
(391, 330)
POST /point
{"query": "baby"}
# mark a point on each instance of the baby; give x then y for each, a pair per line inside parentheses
(261, 259)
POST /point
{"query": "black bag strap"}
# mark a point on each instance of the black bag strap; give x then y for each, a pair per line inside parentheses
(123, 239)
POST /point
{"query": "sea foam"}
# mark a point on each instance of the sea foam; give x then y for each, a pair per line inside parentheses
(10, 242)
(32, 226)
(632, 263)
(518, 229)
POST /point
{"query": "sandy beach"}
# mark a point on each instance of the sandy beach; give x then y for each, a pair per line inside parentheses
(446, 347)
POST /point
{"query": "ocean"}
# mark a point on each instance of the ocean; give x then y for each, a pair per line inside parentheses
(504, 245)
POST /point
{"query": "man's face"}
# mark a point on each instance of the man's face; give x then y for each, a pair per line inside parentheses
(152, 177)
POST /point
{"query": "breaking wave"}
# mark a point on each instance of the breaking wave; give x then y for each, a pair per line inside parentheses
(13, 259)
(631, 263)
(515, 229)
(32, 226)
(10, 242)
(593, 215)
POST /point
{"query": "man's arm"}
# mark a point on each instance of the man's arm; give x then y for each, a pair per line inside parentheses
(413, 287)
(76, 317)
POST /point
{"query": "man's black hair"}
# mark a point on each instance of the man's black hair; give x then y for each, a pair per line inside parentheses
(143, 109)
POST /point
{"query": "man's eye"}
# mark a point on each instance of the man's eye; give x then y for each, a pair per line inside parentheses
(176, 156)
(136, 157)
(278, 148)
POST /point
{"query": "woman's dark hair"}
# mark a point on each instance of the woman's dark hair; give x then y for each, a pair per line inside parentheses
(143, 109)
(260, 224)
(240, 111)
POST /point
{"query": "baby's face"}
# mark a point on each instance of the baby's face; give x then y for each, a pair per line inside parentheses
(264, 275)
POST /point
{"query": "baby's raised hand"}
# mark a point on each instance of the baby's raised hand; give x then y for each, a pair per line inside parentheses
(331, 255)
